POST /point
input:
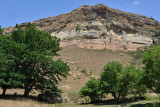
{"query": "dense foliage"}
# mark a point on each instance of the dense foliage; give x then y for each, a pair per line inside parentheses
(92, 90)
(27, 61)
(1, 31)
(136, 83)
(151, 60)
(116, 80)
(113, 80)
(10, 77)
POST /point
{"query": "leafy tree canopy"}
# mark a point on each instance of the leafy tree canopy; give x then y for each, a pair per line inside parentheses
(121, 81)
(32, 53)
(92, 90)
(151, 60)
(1, 31)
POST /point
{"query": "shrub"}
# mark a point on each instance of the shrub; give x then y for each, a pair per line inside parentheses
(92, 90)
(157, 32)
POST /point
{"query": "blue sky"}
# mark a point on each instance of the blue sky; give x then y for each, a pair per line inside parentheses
(19, 11)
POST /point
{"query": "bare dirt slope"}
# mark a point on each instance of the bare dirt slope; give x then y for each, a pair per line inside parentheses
(92, 60)
(84, 64)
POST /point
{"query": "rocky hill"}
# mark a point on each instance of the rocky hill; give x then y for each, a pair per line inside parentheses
(99, 27)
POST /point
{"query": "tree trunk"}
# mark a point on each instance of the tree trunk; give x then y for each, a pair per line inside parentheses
(101, 96)
(115, 98)
(26, 92)
(4, 91)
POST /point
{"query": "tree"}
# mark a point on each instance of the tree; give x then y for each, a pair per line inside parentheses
(151, 61)
(1, 31)
(33, 55)
(92, 90)
(136, 85)
(118, 80)
(9, 76)
(17, 26)
(111, 79)
(115, 80)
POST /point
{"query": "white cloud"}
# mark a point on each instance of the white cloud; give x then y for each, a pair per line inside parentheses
(136, 2)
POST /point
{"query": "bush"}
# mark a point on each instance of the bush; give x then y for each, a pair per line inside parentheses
(157, 32)
(92, 90)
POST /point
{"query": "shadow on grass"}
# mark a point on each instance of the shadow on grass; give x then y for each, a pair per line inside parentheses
(146, 105)
(112, 102)
(18, 97)
(99, 103)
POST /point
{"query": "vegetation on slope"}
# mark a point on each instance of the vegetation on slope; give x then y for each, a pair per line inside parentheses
(126, 82)
(26, 61)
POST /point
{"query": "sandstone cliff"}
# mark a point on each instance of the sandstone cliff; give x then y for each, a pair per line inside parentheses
(101, 27)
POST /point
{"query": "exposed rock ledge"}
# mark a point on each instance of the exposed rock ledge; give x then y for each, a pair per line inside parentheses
(100, 44)
(101, 27)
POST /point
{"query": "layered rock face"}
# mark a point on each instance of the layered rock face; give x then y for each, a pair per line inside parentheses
(100, 27)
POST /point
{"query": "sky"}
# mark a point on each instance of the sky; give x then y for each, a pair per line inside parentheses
(14, 12)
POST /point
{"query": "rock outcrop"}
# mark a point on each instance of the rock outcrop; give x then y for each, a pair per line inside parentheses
(101, 27)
